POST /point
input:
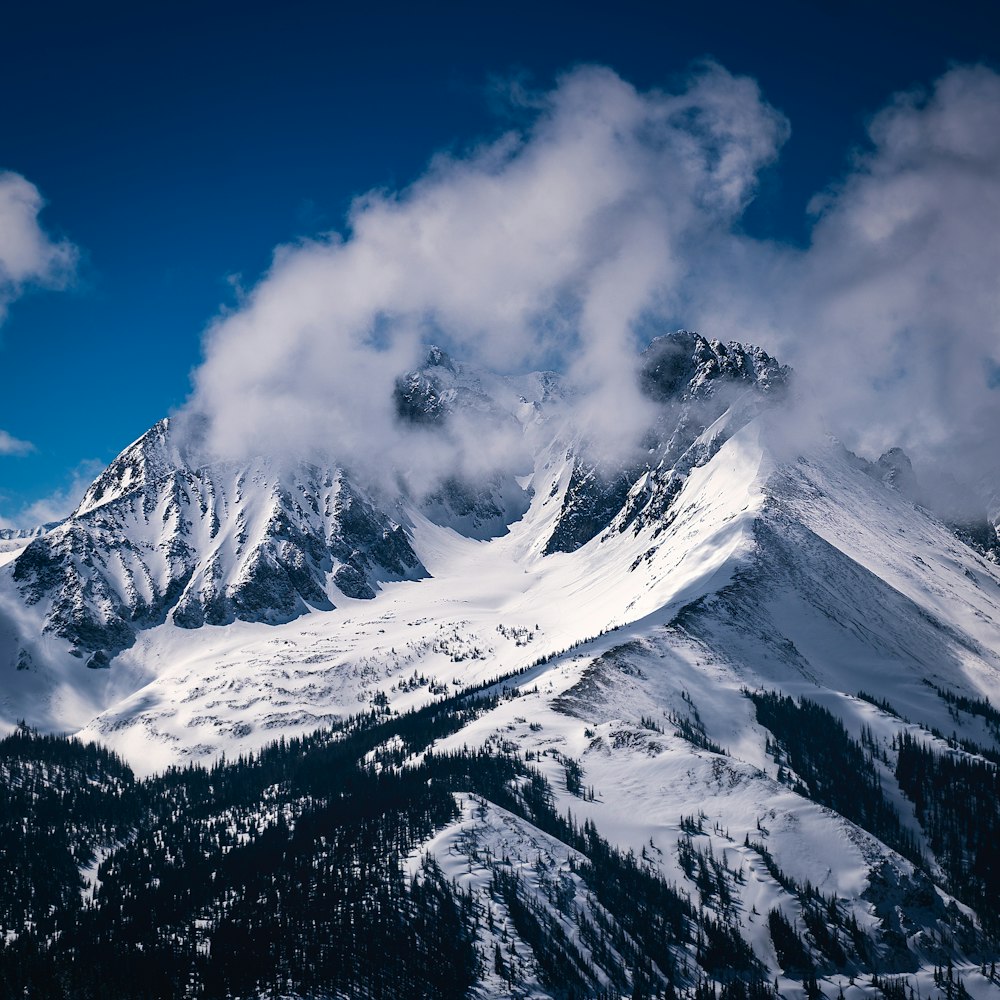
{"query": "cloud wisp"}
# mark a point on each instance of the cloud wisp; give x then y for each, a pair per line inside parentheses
(906, 265)
(554, 243)
(892, 314)
(10, 445)
(28, 255)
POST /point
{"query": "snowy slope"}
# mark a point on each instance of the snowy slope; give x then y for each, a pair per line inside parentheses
(238, 604)
(155, 538)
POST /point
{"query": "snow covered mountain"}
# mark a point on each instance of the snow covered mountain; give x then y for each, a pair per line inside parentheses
(155, 536)
(698, 646)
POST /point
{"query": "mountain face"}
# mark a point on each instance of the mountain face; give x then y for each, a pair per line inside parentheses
(696, 382)
(14, 535)
(720, 717)
(155, 538)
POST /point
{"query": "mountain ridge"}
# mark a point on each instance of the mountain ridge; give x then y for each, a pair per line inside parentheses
(728, 672)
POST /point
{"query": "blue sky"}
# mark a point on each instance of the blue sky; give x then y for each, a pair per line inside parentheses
(176, 145)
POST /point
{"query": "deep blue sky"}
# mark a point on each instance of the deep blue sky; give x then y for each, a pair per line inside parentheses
(177, 144)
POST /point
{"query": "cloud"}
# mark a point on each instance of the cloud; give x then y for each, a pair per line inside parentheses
(28, 256)
(10, 445)
(906, 258)
(892, 313)
(543, 247)
(58, 504)
(609, 211)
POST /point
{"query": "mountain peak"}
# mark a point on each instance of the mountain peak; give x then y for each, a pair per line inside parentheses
(684, 364)
(438, 358)
(684, 372)
(895, 470)
(146, 460)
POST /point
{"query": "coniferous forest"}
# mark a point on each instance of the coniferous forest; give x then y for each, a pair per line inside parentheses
(956, 795)
(957, 800)
(282, 873)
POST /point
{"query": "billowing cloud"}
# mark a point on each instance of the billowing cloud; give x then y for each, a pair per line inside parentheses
(542, 247)
(553, 244)
(28, 256)
(906, 258)
(892, 314)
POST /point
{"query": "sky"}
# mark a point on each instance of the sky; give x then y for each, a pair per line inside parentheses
(153, 158)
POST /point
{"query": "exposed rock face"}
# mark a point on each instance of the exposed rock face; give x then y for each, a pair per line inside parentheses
(685, 365)
(419, 395)
(695, 381)
(592, 499)
(155, 538)
(443, 387)
(896, 471)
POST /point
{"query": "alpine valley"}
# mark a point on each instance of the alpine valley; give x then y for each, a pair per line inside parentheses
(713, 721)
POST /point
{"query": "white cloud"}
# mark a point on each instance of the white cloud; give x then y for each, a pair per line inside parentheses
(892, 314)
(548, 245)
(10, 445)
(58, 504)
(27, 254)
(544, 246)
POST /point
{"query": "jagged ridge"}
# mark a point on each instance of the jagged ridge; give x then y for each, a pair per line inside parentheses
(155, 538)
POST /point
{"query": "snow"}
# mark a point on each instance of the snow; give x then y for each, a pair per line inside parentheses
(799, 573)
(10, 550)
(234, 687)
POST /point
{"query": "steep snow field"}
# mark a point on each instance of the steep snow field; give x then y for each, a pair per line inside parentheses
(488, 608)
(783, 577)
